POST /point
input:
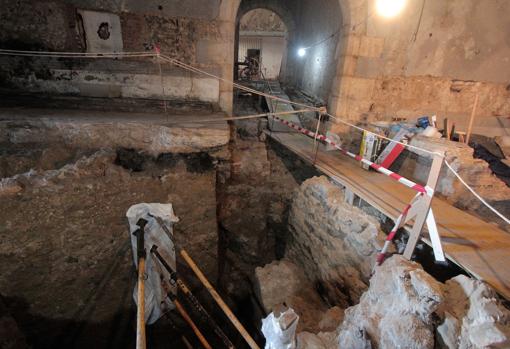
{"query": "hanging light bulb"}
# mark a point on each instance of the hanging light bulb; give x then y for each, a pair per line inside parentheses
(301, 52)
(389, 8)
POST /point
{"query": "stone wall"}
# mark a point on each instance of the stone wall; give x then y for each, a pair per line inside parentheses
(415, 164)
(262, 20)
(318, 28)
(431, 59)
(333, 241)
(186, 33)
(406, 308)
(65, 265)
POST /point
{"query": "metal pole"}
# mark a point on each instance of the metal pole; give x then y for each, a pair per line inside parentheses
(219, 300)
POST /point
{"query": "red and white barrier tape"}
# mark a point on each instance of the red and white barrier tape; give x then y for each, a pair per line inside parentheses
(408, 183)
(382, 255)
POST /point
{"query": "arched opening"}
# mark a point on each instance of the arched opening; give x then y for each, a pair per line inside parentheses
(261, 45)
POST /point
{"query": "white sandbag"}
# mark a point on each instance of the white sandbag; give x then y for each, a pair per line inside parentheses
(156, 299)
(280, 332)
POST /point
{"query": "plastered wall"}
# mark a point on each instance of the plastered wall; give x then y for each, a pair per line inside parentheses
(432, 59)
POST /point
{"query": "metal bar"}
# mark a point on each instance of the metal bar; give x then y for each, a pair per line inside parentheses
(219, 300)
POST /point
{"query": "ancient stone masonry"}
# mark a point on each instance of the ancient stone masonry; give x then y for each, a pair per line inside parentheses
(333, 241)
(261, 20)
(398, 306)
(404, 307)
(396, 311)
(475, 172)
(63, 227)
(472, 316)
(44, 26)
(177, 37)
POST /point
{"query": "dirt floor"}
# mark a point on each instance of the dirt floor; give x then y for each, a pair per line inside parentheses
(65, 260)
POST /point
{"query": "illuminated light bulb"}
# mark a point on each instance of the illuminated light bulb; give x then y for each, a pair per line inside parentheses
(301, 52)
(389, 8)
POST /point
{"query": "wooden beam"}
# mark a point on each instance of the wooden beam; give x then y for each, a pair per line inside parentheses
(190, 322)
(471, 119)
(140, 310)
(219, 300)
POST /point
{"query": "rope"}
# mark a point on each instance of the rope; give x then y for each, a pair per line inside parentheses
(73, 54)
(386, 138)
(254, 116)
(499, 214)
(378, 168)
(241, 87)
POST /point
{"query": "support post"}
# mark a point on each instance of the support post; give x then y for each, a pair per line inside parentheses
(315, 144)
(423, 207)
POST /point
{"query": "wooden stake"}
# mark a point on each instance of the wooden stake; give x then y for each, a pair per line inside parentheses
(140, 312)
(219, 300)
(446, 126)
(190, 322)
(452, 132)
(462, 135)
(471, 119)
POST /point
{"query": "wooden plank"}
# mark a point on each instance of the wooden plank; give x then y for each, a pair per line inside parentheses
(471, 119)
(480, 248)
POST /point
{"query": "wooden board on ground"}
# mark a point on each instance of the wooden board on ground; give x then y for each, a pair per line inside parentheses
(480, 248)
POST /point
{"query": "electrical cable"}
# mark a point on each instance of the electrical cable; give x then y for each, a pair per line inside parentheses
(331, 36)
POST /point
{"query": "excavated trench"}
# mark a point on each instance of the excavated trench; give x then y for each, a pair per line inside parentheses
(65, 260)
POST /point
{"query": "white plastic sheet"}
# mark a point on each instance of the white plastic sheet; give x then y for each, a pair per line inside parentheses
(280, 332)
(156, 299)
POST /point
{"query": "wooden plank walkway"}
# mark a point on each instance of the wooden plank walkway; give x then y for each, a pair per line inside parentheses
(480, 248)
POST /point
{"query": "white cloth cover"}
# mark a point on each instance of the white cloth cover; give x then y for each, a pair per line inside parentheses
(280, 332)
(156, 299)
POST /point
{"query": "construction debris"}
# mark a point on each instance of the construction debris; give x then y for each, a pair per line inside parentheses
(280, 331)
